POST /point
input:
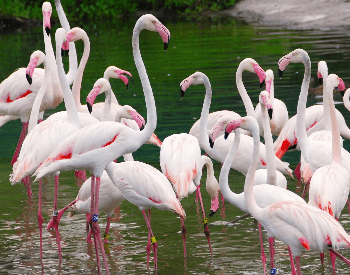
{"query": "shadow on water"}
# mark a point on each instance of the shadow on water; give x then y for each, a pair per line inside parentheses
(214, 47)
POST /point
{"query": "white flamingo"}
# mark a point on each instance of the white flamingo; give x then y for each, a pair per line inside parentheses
(93, 147)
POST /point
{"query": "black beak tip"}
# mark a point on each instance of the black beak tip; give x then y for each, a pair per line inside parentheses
(212, 213)
(67, 53)
(320, 81)
(127, 86)
(166, 45)
(226, 135)
(270, 111)
(62, 52)
(182, 93)
(280, 73)
(342, 93)
(89, 107)
(262, 83)
(142, 127)
(211, 143)
(29, 79)
(47, 30)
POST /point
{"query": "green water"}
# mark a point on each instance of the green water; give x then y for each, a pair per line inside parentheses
(214, 47)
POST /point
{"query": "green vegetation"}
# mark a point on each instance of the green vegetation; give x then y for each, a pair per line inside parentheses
(111, 9)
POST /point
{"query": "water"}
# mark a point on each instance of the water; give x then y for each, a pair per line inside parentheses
(215, 47)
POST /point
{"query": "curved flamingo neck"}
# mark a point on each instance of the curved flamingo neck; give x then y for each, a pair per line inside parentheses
(272, 92)
(79, 75)
(113, 97)
(203, 135)
(270, 155)
(225, 190)
(243, 92)
(209, 165)
(252, 206)
(326, 106)
(300, 130)
(151, 124)
(73, 59)
(346, 99)
(69, 103)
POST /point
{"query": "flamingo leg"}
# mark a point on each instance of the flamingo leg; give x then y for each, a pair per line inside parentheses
(297, 260)
(26, 183)
(55, 215)
(148, 247)
(322, 258)
(80, 175)
(291, 261)
(263, 257)
(272, 253)
(333, 257)
(183, 229)
(222, 199)
(106, 235)
(197, 193)
(205, 221)
(96, 228)
(56, 219)
(348, 203)
(88, 230)
(20, 141)
(40, 221)
(345, 260)
(153, 239)
(306, 185)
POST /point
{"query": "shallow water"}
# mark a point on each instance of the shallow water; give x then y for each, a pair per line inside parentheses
(214, 47)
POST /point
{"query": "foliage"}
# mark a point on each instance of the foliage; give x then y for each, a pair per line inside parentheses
(110, 9)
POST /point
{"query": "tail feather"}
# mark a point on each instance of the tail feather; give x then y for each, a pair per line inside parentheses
(21, 169)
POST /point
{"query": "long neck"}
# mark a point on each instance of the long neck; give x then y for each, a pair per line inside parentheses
(71, 109)
(79, 76)
(300, 130)
(346, 99)
(272, 93)
(252, 206)
(203, 135)
(73, 59)
(106, 115)
(114, 98)
(147, 89)
(270, 155)
(225, 190)
(326, 105)
(209, 164)
(243, 92)
(336, 148)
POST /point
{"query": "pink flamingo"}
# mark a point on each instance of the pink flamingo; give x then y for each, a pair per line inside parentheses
(299, 225)
(93, 147)
(181, 162)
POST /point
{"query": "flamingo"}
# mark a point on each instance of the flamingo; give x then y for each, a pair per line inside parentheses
(17, 96)
(299, 225)
(280, 112)
(316, 153)
(314, 115)
(221, 149)
(265, 193)
(94, 146)
(247, 64)
(181, 162)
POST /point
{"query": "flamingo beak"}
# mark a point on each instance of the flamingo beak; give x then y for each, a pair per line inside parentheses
(280, 73)
(182, 92)
(262, 83)
(29, 79)
(47, 29)
(89, 107)
(320, 81)
(270, 111)
(211, 142)
(226, 135)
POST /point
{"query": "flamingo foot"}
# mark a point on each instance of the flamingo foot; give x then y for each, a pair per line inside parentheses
(97, 237)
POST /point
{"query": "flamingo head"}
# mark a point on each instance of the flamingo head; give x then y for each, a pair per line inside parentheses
(215, 131)
(47, 11)
(334, 81)
(194, 79)
(36, 59)
(101, 85)
(296, 56)
(321, 70)
(233, 125)
(264, 99)
(115, 72)
(261, 73)
(151, 23)
(129, 112)
(269, 80)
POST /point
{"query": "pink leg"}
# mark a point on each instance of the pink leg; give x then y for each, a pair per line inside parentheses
(332, 256)
(26, 182)
(291, 261)
(106, 235)
(20, 141)
(305, 189)
(272, 253)
(263, 257)
(322, 258)
(40, 221)
(96, 228)
(345, 260)
(222, 199)
(153, 239)
(297, 260)
(55, 216)
(348, 203)
(148, 247)
(56, 219)
(197, 194)
(205, 222)
(183, 229)
(88, 229)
